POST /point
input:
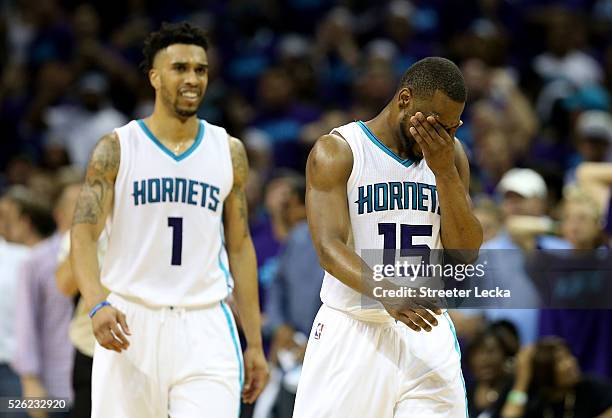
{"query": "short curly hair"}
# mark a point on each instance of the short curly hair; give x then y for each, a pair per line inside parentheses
(435, 73)
(170, 34)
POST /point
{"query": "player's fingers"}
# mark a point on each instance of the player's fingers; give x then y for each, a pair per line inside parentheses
(427, 316)
(119, 337)
(432, 304)
(248, 376)
(437, 127)
(420, 131)
(436, 136)
(405, 319)
(417, 319)
(259, 382)
(251, 394)
(108, 341)
(122, 321)
(425, 146)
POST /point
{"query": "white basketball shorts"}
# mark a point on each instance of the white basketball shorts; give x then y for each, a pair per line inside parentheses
(181, 363)
(362, 369)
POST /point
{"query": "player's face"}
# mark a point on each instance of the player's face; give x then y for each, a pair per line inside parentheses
(180, 77)
(445, 110)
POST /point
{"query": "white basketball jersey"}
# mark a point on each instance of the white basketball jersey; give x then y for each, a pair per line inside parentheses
(393, 204)
(166, 243)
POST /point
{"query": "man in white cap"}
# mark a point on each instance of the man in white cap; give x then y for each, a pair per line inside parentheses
(523, 194)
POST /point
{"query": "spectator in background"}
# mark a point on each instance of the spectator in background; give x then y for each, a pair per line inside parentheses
(398, 27)
(565, 58)
(294, 52)
(336, 55)
(93, 54)
(12, 255)
(43, 360)
(593, 136)
(270, 228)
(26, 217)
(81, 332)
(79, 127)
(281, 117)
(293, 299)
(596, 180)
(489, 357)
(328, 121)
(523, 192)
(586, 332)
(549, 384)
(490, 217)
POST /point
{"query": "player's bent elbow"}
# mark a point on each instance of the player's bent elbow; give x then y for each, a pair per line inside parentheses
(467, 256)
(327, 256)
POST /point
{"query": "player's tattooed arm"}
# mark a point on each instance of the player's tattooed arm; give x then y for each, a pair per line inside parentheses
(92, 209)
(243, 266)
(237, 198)
(96, 195)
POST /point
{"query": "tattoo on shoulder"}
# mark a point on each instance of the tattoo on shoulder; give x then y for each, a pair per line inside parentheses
(240, 166)
(240, 163)
(99, 182)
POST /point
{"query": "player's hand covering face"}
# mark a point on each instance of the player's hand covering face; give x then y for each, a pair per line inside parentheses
(444, 120)
(436, 142)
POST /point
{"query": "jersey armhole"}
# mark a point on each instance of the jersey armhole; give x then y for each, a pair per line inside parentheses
(122, 155)
(357, 160)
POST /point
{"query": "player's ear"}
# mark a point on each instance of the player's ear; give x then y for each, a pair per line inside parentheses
(154, 78)
(404, 96)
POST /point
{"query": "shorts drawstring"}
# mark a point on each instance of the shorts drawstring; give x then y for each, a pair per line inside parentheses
(181, 312)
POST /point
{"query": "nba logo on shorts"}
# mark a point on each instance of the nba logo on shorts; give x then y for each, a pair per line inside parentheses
(318, 331)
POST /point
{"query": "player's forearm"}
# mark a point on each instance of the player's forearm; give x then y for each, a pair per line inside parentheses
(344, 264)
(243, 265)
(460, 230)
(64, 279)
(84, 259)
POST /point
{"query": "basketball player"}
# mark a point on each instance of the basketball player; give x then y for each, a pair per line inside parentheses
(399, 180)
(171, 187)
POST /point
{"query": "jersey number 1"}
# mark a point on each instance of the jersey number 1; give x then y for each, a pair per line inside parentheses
(177, 240)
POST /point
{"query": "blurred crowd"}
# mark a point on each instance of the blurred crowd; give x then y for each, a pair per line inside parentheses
(537, 130)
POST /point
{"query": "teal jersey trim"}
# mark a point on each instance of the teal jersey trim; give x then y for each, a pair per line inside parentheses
(406, 163)
(452, 327)
(192, 148)
(222, 266)
(230, 324)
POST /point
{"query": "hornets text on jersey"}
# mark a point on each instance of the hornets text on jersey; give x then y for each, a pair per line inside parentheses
(393, 204)
(166, 233)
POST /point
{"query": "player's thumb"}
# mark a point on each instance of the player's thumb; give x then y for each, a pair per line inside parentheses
(123, 323)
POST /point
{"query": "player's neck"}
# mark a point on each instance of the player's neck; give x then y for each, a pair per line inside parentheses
(381, 128)
(171, 128)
